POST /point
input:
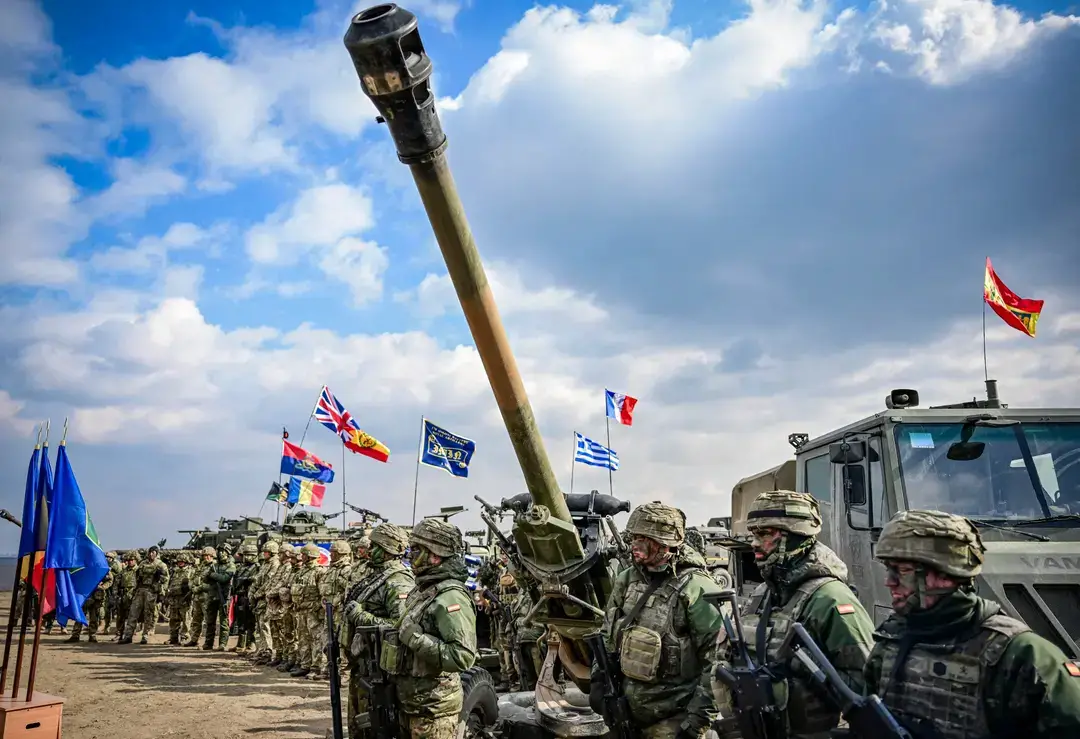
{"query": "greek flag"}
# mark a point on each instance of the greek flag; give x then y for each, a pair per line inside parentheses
(593, 454)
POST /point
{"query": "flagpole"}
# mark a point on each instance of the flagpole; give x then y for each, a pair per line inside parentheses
(416, 481)
(31, 677)
(610, 481)
(343, 516)
(986, 370)
(39, 499)
(573, 461)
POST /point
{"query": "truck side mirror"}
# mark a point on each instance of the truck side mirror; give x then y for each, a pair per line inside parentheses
(854, 485)
(847, 452)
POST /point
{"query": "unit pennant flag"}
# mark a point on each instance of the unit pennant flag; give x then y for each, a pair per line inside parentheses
(445, 450)
(1020, 313)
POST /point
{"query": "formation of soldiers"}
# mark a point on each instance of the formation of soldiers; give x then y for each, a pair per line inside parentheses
(947, 663)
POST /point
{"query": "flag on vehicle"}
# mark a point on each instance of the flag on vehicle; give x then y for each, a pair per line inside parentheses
(299, 462)
(445, 450)
(593, 454)
(1020, 313)
(305, 492)
(620, 407)
(74, 551)
(35, 528)
(332, 414)
(278, 493)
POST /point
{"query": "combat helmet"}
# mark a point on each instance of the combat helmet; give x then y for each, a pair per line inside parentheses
(392, 539)
(658, 521)
(310, 550)
(209, 551)
(271, 546)
(247, 549)
(110, 555)
(340, 546)
(950, 544)
(184, 558)
(696, 540)
(288, 549)
(438, 536)
(796, 513)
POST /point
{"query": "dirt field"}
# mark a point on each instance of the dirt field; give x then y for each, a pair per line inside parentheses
(154, 690)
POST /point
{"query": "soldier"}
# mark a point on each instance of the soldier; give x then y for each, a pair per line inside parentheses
(124, 586)
(290, 623)
(949, 663)
(94, 609)
(805, 582)
(279, 607)
(503, 617)
(307, 612)
(219, 579)
(528, 641)
(666, 647)
(198, 594)
(179, 599)
(377, 600)
(333, 587)
(116, 566)
(260, 592)
(437, 635)
(361, 554)
(151, 580)
(244, 613)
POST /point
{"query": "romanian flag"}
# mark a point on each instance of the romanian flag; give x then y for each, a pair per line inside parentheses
(305, 492)
(1020, 313)
(35, 528)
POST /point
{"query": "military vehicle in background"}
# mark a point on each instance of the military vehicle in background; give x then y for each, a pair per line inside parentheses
(231, 531)
(1015, 472)
(561, 543)
(717, 532)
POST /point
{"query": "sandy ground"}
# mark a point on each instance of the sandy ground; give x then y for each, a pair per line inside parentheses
(135, 691)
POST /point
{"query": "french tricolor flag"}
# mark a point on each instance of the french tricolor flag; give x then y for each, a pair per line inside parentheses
(621, 407)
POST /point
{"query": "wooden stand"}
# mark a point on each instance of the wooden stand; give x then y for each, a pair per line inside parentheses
(38, 718)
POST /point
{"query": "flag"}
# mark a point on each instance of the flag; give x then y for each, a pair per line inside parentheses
(1020, 313)
(620, 407)
(332, 414)
(305, 492)
(35, 529)
(278, 493)
(593, 454)
(74, 552)
(445, 450)
(301, 463)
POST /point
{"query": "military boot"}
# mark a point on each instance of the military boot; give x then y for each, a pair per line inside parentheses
(207, 647)
(73, 637)
(144, 640)
(273, 661)
(91, 638)
(241, 644)
(124, 640)
(191, 643)
(300, 672)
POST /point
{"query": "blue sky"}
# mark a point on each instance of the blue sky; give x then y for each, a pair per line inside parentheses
(757, 218)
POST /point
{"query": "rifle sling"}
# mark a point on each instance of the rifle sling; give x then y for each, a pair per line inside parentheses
(638, 608)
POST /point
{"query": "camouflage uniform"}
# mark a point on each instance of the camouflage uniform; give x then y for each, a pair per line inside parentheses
(664, 649)
(361, 555)
(260, 590)
(528, 642)
(277, 607)
(115, 567)
(125, 587)
(179, 599)
(93, 609)
(218, 578)
(437, 637)
(378, 599)
(289, 652)
(308, 612)
(505, 626)
(151, 580)
(198, 596)
(333, 587)
(805, 582)
(244, 612)
(966, 670)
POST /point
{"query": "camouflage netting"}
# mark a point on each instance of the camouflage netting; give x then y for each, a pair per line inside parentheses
(950, 544)
(796, 513)
(658, 521)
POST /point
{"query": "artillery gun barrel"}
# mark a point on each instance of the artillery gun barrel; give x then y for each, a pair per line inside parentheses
(395, 73)
(8, 516)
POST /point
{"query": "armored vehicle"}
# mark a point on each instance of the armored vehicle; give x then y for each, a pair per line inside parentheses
(1015, 472)
(231, 531)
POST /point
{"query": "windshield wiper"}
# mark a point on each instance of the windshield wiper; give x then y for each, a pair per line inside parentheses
(1039, 537)
(986, 420)
(1051, 519)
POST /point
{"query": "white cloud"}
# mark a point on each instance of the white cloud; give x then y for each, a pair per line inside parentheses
(152, 252)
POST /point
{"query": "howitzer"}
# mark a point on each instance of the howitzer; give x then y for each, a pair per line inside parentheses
(867, 716)
(7, 516)
(333, 655)
(616, 708)
(382, 715)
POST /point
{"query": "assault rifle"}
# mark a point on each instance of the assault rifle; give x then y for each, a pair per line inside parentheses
(332, 658)
(867, 717)
(616, 708)
(382, 717)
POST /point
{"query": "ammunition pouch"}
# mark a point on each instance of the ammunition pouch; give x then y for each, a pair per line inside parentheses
(393, 655)
(640, 654)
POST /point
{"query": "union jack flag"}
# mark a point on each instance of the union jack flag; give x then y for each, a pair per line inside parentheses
(332, 414)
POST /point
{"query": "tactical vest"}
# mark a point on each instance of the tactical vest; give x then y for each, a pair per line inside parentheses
(177, 581)
(149, 574)
(942, 683)
(807, 713)
(398, 659)
(650, 650)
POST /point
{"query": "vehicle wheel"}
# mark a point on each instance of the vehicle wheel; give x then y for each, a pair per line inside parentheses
(480, 707)
(723, 579)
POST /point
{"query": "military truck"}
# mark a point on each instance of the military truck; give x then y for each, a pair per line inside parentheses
(1015, 472)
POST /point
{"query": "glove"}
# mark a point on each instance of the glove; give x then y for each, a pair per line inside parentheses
(596, 695)
(353, 609)
(410, 635)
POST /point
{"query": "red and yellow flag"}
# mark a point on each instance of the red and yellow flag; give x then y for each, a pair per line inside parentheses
(1020, 313)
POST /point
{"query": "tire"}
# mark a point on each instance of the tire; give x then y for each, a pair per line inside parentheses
(480, 706)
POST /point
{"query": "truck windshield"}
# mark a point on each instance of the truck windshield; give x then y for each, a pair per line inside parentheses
(996, 484)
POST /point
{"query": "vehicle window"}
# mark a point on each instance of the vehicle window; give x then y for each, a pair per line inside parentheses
(877, 484)
(818, 478)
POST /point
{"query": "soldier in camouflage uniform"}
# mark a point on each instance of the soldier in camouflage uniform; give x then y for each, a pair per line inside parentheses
(124, 585)
(361, 555)
(665, 649)
(805, 582)
(333, 586)
(151, 580)
(94, 610)
(950, 664)
(179, 599)
(437, 637)
(244, 612)
(377, 600)
(289, 652)
(116, 566)
(308, 612)
(277, 608)
(260, 591)
(528, 645)
(219, 579)
(198, 594)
